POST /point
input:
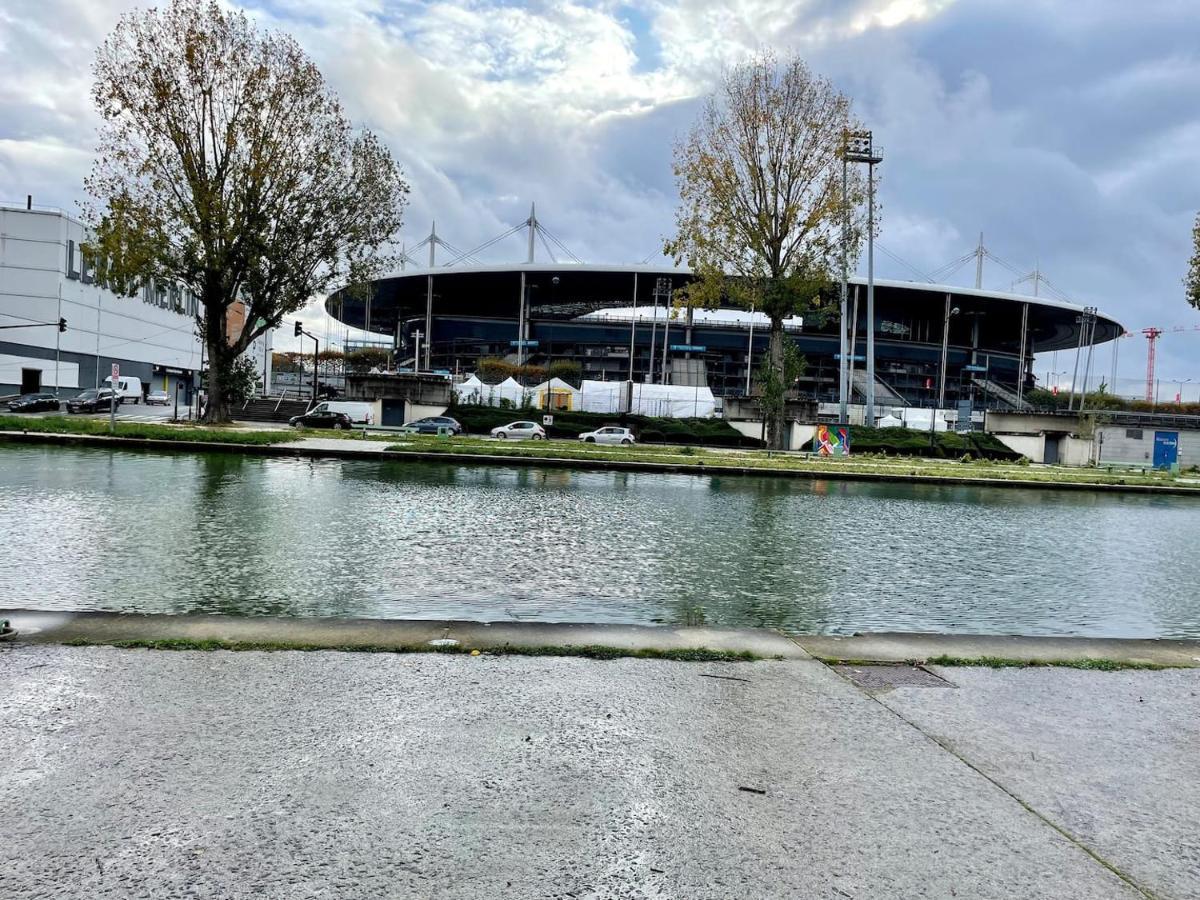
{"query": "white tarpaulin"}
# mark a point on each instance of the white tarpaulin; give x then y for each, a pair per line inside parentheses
(668, 400)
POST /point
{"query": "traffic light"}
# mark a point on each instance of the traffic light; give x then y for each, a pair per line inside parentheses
(62, 324)
(299, 328)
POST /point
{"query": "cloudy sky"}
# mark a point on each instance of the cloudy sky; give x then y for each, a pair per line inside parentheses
(1066, 132)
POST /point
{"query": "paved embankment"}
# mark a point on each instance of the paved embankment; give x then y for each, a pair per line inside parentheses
(901, 647)
(172, 774)
(388, 634)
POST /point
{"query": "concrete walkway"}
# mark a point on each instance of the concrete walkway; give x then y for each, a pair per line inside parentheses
(135, 773)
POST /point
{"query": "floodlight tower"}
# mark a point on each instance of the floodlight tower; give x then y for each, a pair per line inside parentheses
(860, 147)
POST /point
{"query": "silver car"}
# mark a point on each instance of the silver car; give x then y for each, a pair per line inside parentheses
(608, 435)
(520, 431)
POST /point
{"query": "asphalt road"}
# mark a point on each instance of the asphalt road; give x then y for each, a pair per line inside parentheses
(133, 773)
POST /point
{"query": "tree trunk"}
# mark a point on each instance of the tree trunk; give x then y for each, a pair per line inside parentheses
(216, 407)
(775, 394)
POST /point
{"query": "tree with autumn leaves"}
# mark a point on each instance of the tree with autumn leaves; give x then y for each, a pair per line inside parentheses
(227, 166)
(763, 219)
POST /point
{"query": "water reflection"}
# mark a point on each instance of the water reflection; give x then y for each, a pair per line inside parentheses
(248, 535)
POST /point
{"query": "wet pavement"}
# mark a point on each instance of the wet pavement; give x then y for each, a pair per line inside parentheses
(134, 773)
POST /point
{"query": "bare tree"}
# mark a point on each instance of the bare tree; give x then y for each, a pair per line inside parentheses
(761, 213)
(227, 167)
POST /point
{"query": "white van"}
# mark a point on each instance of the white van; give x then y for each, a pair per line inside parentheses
(359, 413)
(129, 388)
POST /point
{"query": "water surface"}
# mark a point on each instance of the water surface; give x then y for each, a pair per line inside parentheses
(147, 532)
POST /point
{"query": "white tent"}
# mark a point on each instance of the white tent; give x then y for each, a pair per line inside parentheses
(471, 391)
(562, 395)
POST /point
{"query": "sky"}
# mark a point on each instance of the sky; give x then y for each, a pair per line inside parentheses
(1066, 132)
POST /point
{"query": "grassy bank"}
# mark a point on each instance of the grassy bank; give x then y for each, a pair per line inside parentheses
(145, 430)
(714, 460)
(588, 651)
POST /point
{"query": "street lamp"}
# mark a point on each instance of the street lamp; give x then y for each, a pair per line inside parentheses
(1179, 393)
(950, 311)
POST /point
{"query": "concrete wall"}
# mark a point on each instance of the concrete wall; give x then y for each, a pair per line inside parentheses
(998, 422)
(1118, 445)
(1032, 446)
(1075, 451)
(799, 436)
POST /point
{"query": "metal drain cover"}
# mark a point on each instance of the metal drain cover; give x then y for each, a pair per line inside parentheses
(880, 679)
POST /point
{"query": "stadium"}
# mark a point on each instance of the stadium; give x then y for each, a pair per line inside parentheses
(615, 322)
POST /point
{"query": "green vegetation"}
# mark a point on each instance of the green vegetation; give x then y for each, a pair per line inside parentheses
(589, 651)
(861, 465)
(1001, 662)
(1101, 401)
(146, 430)
(915, 442)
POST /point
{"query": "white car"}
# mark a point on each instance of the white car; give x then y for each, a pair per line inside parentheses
(608, 435)
(520, 431)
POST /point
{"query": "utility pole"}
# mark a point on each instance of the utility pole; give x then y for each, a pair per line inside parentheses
(843, 387)
(632, 333)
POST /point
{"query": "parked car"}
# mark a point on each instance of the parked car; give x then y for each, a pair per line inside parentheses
(322, 418)
(610, 434)
(158, 398)
(359, 413)
(520, 431)
(128, 387)
(430, 425)
(33, 403)
(91, 400)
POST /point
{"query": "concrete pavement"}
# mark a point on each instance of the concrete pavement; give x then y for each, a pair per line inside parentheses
(168, 774)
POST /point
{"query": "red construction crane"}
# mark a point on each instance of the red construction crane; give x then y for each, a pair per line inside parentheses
(1152, 336)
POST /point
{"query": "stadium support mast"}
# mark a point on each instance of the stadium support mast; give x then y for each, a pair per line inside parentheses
(532, 223)
(1152, 335)
(979, 254)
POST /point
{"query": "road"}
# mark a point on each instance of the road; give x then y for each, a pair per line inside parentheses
(134, 773)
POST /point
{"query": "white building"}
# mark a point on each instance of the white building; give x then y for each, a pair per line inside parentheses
(44, 277)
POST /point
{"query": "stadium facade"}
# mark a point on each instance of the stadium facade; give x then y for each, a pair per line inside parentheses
(605, 317)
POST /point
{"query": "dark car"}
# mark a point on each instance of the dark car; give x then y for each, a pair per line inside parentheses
(92, 400)
(324, 418)
(33, 403)
(430, 425)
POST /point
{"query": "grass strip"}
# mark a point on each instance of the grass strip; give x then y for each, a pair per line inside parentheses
(588, 651)
(144, 430)
(1003, 662)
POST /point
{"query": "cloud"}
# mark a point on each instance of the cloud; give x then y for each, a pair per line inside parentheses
(1065, 133)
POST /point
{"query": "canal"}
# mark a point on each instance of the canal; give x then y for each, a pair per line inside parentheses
(245, 535)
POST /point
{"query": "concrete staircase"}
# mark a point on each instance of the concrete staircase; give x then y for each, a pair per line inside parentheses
(1009, 396)
(270, 409)
(885, 394)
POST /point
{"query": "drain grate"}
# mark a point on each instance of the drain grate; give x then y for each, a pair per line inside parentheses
(880, 679)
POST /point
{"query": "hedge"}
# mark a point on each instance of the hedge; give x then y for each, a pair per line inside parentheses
(915, 442)
(570, 424)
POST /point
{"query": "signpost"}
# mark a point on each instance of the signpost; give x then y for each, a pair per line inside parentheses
(112, 398)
